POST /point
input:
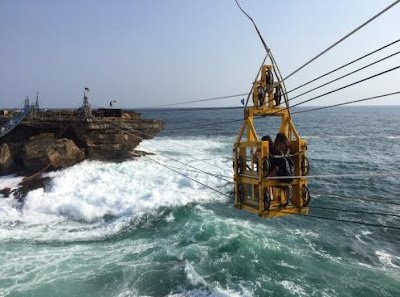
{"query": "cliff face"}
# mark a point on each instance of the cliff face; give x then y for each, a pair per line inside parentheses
(46, 152)
(65, 137)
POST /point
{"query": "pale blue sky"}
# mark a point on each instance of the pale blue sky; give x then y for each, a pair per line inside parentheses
(152, 52)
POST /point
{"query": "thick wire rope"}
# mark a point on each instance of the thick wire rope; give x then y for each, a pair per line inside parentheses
(196, 181)
(341, 88)
(294, 112)
(191, 108)
(201, 100)
(269, 53)
(367, 199)
(281, 211)
(339, 220)
(165, 147)
(345, 75)
(313, 216)
(168, 157)
(301, 111)
(351, 175)
(215, 98)
(247, 94)
(346, 103)
(343, 66)
(357, 211)
(197, 171)
(312, 177)
(186, 146)
(391, 173)
(343, 38)
(314, 207)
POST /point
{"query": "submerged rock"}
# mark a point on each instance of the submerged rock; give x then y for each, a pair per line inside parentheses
(5, 192)
(28, 185)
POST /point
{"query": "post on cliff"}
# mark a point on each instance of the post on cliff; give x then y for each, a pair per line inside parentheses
(87, 110)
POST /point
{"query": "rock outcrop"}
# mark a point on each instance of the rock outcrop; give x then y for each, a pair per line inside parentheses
(45, 151)
(65, 137)
(6, 160)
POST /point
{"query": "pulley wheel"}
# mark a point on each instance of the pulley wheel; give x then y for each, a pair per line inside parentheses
(305, 166)
(305, 195)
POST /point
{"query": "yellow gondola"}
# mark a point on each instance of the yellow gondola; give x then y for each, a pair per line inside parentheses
(255, 189)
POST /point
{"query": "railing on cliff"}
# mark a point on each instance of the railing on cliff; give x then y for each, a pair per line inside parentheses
(14, 122)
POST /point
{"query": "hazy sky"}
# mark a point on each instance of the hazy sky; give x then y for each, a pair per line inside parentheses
(150, 52)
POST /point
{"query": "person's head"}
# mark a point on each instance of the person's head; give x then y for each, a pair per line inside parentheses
(267, 138)
(281, 143)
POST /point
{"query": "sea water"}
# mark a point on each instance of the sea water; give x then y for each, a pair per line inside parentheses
(138, 228)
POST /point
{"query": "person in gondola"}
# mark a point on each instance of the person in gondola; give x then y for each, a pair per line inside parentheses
(282, 163)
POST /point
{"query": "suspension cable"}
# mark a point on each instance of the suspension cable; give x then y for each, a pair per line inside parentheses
(339, 220)
(343, 38)
(341, 196)
(357, 211)
(247, 94)
(168, 157)
(345, 75)
(187, 146)
(294, 112)
(348, 102)
(281, 211)
(197, 171)
(269, 53)
(313, 216)
(350, 175)
(191, 148)
(346, 86)
(343, 66)
(196, 181)
(203, 100)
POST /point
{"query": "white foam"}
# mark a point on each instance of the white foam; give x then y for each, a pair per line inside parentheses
(364, 233)
(293, 288)
(284, 264)
(206, 289)
(170, 218)
(386, 258)
(192, 276)
(10, 181)
(213, 292)
(365, 265)
(91, 191)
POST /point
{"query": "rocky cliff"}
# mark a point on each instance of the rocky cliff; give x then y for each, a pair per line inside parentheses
(60, 138)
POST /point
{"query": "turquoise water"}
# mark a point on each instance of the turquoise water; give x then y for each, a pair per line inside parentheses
(139, 229)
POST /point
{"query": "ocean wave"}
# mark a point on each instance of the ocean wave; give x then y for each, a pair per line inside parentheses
(293, 288)
(388, 259)
(92, 191)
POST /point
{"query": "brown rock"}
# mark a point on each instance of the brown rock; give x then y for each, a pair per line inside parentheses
(50, 153)
(5, 192)
(6, 160)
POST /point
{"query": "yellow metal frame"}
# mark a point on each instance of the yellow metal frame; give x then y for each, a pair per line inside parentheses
(253, 184)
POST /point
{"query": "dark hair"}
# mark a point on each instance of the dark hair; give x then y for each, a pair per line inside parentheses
(281, 143)
(267, 138)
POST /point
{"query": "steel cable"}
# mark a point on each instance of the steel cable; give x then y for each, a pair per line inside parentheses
(343, 66)
(343, 38)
